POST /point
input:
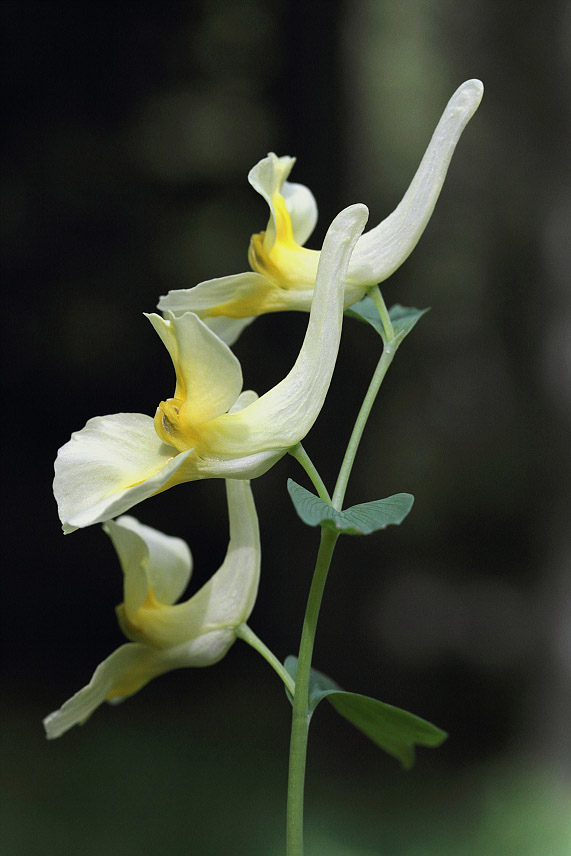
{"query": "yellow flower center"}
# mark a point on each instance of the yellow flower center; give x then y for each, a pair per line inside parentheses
(139, 629)
(154, 623)
(168, 426)
(285, 263)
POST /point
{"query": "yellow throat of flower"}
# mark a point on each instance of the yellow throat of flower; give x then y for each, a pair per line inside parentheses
(168, 425)
(285, 264)
(149, 624)
(145, 628)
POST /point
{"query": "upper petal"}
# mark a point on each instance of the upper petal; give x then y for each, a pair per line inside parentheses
(110, 465)
(302, 207)
(209, 372)
(149, 558)
(268, 177)
(380, 251)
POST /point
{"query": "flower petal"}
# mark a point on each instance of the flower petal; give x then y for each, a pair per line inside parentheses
(380, 251)
(267, 178)
(250, 465)
(110, 465)
(302, 207)
(128, 669)
(240, 295)
(149, 558)
(228, 597)
(209, 372)
(136, 661)
(284, 415)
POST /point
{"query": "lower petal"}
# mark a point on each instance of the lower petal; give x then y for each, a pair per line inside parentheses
(124, 672)
(110, 465)
(241, 295)
(128, 669)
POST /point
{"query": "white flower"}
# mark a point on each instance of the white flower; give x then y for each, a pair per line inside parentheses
(166, 635)
(208, 429)
(284, 271)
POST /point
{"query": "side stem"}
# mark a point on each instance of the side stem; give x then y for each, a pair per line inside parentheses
(245, 633)
(351, 451)
(301, 456)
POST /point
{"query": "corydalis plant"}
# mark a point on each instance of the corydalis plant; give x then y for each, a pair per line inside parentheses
(209, 428)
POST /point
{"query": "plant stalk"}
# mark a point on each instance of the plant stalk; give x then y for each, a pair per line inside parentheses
(301, 714)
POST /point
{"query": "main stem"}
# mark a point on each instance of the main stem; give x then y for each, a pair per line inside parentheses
(301, 713)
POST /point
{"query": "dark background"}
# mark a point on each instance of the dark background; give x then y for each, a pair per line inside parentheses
(129, 130)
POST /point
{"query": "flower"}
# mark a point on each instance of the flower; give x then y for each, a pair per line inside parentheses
(165, 635)
(208, 429)
(284, 271)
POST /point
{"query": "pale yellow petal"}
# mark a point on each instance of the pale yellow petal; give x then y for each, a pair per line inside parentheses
(128, 669)
(228, 597)
(110, 465)
(149, 558)
(380, 251)
(302, 207)
(239, 296)
(133, 556)
(124, 672)
(209, 372)
(267, 178)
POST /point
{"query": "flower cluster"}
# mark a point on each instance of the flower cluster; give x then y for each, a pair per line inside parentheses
(211, 428)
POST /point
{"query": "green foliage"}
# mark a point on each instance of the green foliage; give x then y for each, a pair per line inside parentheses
(360, 519)
(403, 318)
(392, 729)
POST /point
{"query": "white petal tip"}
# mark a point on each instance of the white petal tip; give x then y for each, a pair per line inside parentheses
(468, 96)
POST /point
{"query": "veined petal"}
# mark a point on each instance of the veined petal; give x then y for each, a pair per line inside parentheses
(226, 600)
(110, 465)
(241, 295)
(284, 415)
(302, 207)
(209, 372)
(149, 558)
(383, 249)
(128, 669)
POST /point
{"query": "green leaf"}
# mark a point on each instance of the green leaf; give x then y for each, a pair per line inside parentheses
(403, 318)
(360, 519)
(392, 729)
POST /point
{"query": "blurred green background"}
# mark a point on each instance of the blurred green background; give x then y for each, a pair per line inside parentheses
(129, 131)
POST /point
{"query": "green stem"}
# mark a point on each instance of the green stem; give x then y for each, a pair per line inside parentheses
(349, 459)
(383, 312)
(247, 635)
(301, 714)
(301, 456)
